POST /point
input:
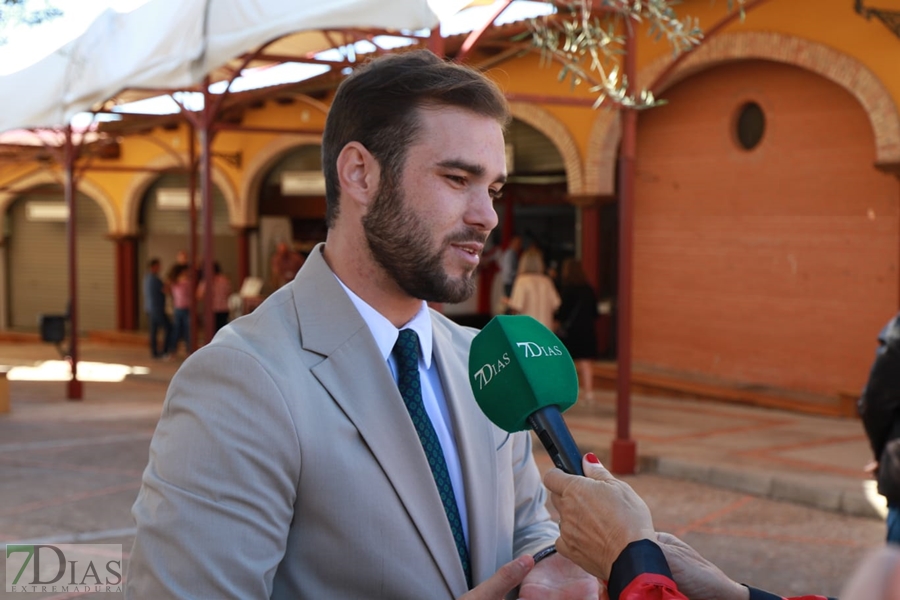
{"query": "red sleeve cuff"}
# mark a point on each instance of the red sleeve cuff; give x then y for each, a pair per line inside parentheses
(651, 586)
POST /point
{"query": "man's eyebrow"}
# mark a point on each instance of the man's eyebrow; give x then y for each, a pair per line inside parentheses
(474, 169)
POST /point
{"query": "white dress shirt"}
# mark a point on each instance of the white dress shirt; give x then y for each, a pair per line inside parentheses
(386, 335)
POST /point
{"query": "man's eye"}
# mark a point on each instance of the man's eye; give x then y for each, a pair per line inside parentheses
(457, 179)
(495, 194)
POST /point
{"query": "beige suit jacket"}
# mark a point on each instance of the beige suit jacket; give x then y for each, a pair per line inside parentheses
(285, 465)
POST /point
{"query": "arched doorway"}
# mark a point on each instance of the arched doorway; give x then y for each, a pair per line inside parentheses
(291, 205)
(38, 260)
(164, 229)
(765, 241)
(537, 189)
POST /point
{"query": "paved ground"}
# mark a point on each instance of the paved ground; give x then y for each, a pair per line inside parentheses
(715, 474)
(781, 455)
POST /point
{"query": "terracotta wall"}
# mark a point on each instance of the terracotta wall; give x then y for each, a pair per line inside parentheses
(776, 266)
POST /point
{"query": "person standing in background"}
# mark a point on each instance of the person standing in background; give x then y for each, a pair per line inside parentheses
(221, 290)
(181, 260)
(180, 287)
(284, 265)
(576, 318)
(533, 293)
(155, 306)
(509, 264)
(879, 407)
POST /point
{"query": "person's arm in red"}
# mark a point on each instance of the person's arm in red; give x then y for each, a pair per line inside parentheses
(642, 573)
(607, 530)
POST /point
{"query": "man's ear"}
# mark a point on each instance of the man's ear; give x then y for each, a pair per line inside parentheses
(359, 173)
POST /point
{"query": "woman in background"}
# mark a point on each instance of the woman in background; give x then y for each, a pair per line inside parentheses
(576, 319)
(221, 289)
(533, 293)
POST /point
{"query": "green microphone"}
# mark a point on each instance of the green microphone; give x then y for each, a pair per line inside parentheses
(523, 377)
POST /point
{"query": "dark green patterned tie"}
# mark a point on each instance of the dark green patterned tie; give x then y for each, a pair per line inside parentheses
(406, 353)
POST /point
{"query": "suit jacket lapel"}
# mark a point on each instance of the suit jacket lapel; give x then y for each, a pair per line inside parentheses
(361, 384)
(475, 443)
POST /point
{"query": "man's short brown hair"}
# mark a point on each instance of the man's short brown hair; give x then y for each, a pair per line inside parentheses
(377, 107)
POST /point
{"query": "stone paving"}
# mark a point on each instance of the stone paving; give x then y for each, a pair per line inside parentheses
(781, 455)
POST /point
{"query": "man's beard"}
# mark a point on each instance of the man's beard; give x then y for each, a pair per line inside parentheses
(401, 243)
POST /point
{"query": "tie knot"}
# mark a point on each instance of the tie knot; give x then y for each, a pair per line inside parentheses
(406, 350)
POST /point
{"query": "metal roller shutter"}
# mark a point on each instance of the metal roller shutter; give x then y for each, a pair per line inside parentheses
(38, 259)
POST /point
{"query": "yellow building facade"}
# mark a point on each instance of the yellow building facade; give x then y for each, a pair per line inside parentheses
(770, 267)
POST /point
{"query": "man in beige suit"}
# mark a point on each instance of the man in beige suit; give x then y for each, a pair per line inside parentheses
(286, 463)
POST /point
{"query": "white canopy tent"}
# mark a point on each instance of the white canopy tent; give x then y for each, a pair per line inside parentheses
(170, 45)
(174, 44)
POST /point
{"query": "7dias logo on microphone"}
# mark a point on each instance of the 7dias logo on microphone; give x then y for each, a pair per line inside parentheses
(533, 350)
(488, 371)
(485, 374)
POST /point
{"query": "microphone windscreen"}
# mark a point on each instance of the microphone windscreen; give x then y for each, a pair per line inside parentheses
(516, 367)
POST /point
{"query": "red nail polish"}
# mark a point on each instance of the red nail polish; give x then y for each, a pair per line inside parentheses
(592, 458)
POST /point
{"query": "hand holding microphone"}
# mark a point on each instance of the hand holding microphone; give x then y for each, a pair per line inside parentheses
(599, 516)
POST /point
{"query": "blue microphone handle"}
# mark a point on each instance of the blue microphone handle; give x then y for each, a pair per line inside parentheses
(550, 428)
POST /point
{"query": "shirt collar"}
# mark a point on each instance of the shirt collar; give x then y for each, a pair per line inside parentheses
(386, 334)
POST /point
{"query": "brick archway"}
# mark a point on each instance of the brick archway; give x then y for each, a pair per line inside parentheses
(835, 66)
(259, 167)
(556, 132)
(45, 177)
(134, 195)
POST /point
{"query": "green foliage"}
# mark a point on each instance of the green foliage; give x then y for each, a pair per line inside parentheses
(589, 42)
(16, 13)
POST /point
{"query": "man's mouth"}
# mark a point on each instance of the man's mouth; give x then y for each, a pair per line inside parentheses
(473, 248)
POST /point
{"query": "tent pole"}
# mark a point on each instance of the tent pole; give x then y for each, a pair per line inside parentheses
(192, 237)
(74, 390)
(206, 134)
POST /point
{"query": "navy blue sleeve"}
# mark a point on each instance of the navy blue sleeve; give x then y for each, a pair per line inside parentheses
(756, 594)
(642, 556)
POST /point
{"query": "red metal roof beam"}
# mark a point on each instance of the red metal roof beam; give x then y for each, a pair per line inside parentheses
(476, 34)
(254, 129)
(285, 58)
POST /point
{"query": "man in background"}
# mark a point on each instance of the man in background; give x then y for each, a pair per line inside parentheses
(284, 265)
(879, 407)
(155, 307)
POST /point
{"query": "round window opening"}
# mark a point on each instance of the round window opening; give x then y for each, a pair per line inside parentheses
(751, 124)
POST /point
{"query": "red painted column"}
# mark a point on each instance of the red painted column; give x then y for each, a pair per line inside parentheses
(509, 222)
(624, 449)
(590, 243)
(126, 283)
(243, 255)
